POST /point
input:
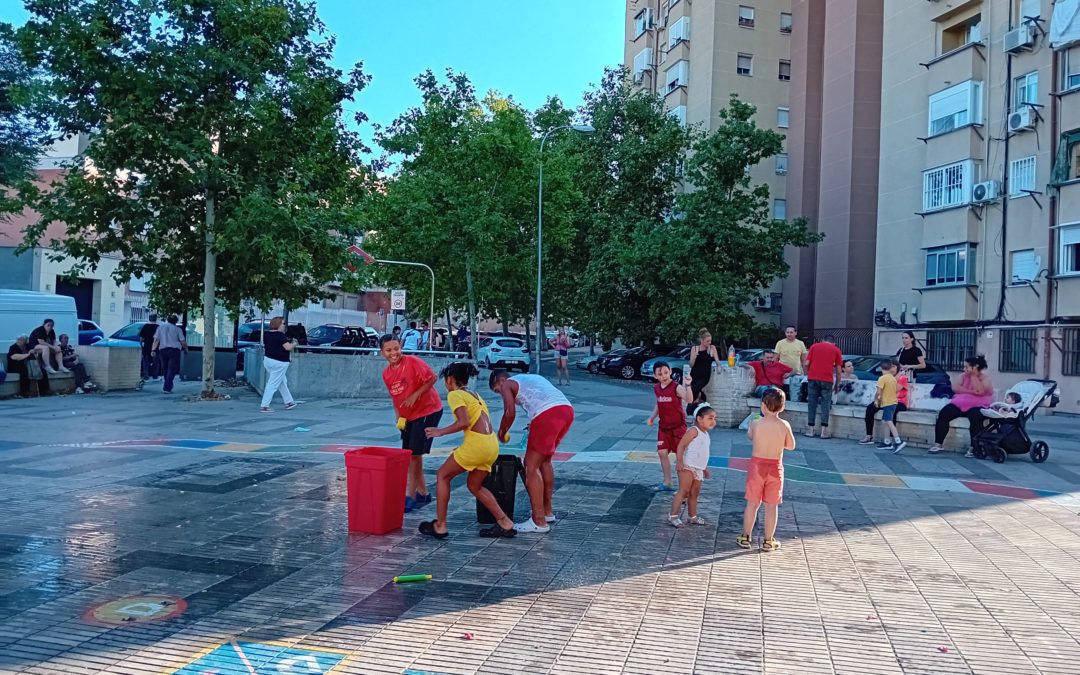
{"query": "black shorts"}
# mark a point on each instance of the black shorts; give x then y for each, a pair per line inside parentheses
(413, 437)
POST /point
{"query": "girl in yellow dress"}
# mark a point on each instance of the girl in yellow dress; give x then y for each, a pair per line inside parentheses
(475, 454)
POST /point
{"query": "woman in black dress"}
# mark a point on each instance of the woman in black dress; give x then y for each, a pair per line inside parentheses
(910, 357)
(702, 357)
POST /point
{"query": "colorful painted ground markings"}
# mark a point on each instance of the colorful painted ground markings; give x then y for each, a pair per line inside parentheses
(238, 657)
(135, 609)
(792, 472)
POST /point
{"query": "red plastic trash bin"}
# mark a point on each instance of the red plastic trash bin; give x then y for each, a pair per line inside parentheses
(376, 487)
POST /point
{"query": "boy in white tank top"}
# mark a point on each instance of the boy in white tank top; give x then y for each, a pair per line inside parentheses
(550, 417)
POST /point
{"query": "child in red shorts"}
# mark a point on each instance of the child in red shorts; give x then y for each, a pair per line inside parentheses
(770, 436)
(671, 401)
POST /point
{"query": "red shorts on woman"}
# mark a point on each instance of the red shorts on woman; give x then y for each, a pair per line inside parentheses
(765, 480)
(547, 429)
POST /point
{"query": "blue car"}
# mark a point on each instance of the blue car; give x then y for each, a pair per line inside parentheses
(89, 332)
(128, 336)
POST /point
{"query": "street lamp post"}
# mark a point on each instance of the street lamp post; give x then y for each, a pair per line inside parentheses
(370, 260)
(580, 128)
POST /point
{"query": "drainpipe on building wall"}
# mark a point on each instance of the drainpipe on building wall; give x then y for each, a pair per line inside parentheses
(1051, 249)
(1000, 315)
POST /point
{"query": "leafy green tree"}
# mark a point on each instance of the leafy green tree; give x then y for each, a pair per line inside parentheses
(218, 159)
(463, 201)
(21, 136)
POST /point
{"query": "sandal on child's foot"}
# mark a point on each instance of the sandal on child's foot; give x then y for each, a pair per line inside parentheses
(696, 520)
(529, 527)
(743, 540)
(770, 545)
(497, 531)
(675, 521)
(428, 527)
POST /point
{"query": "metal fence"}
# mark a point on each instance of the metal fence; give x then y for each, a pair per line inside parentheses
(949, 348)
(853, 341)
(1017, 349)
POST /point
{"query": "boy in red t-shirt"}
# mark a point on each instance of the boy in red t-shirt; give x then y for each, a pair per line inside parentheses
(824, 364)
(409, 381)
(671, 401)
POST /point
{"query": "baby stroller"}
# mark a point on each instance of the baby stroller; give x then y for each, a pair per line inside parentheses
(1005, 433)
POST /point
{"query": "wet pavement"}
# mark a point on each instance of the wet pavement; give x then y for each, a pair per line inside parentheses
(141, 533)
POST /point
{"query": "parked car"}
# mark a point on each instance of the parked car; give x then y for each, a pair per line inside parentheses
(589, 363)
(679, 360)
(869, 368)
(596, 366)
(747, 355)
(628, 365)
(128, 336)
(503, 352)
(89, 332)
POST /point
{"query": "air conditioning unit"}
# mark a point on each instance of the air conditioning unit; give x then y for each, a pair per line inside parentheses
(985, 192)
(763, 302)
(1022, 119)
(1021, 39)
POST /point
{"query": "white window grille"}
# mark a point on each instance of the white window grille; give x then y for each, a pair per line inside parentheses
(950, 265)
(678, 75)
(783, 117)
(779, 209)
(1069, 245)
(745, 65)
(642, 62)
(1021, 176)
(746, 16)
(1026, 90)
(679, 31)
(1025, 266)
(955, 107)
(642, 22)
(781, 164)
(948, 186)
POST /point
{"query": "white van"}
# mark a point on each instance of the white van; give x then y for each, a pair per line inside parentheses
(23, 311)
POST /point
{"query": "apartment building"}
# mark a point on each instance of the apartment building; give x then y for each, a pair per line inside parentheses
(978, 241)
(696, 54)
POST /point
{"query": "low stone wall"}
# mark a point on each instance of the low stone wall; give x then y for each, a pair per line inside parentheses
(313, 376)
(727, 391)
(112, 368)
(60, 383)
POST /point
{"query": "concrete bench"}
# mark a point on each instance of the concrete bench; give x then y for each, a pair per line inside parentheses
(60, 383)
(916, 426)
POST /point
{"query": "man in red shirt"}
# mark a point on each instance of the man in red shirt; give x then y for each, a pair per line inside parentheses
(769, 373)
(824, 363)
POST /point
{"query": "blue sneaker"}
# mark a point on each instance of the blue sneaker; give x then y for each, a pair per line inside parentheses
(410, 504)
(663, 487)
(422, 499)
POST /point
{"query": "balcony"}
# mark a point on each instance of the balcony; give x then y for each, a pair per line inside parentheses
(1068, 296)
(966, 142)
(959, 65)
(944, 304)
(941, 228)
(1069, 201)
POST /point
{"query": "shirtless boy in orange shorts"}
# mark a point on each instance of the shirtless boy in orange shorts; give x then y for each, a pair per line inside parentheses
(770, 436)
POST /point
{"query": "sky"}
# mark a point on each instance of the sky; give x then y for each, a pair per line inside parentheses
(528, 49)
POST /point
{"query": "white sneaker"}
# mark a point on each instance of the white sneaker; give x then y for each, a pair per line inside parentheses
(529, 527)
(935, 449)
(64, 370)
(50, 370)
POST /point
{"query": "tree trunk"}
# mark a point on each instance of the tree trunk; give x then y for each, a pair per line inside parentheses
(209, 301)
(473, 339)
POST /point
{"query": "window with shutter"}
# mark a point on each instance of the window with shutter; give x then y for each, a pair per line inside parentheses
(746, 16)
(1025, 266)
(783, 117)
(678, 75)
(781, 163)
(642, 61)
(1069, 245)
(1026, 90)
(744, 65)
(955, 107)
(679, 31)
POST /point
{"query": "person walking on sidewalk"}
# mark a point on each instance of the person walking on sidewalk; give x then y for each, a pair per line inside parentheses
(550, 417)
(410, 382)
(169, 342)
(824, 363)
(276, 364)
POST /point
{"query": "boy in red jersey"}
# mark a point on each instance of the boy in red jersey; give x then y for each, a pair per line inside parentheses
(671, 401)
(409, 381)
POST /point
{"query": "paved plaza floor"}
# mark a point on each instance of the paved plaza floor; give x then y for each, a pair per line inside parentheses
(144, 533)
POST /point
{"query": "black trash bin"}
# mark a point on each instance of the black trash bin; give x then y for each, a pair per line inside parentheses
(502, 481)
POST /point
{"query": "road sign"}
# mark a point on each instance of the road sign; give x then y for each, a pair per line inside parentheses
(397, 299)
(256, 657)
